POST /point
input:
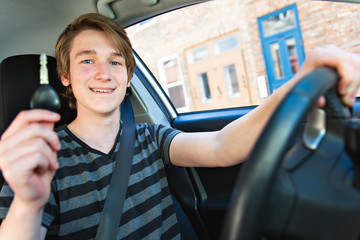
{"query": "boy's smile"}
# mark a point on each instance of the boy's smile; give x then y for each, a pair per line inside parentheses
(98, 90)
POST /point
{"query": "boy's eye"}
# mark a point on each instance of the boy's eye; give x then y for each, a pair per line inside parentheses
(115, 63)
(87, 61)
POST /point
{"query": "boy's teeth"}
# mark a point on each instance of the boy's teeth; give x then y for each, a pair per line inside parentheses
(101, 90)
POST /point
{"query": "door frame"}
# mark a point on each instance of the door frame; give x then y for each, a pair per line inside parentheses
(280, 38)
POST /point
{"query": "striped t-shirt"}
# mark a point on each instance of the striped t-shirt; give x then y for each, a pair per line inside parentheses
(80, 187)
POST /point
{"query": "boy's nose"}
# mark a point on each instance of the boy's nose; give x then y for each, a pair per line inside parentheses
(102, 71)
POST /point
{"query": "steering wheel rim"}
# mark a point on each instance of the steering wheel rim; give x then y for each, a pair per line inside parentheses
(251, 190)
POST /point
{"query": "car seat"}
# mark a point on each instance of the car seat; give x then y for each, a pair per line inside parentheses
(19, 79)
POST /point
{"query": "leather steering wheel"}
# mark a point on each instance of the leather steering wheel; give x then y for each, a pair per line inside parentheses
(259, 173)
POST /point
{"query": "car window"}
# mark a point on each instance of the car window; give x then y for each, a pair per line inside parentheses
(231, 53)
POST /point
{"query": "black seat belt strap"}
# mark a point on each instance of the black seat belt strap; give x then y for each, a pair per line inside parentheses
(111, 214)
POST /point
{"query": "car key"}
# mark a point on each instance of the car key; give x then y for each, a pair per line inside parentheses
(45, 96)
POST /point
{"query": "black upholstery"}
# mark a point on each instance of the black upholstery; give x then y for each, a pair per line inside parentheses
(19, 79)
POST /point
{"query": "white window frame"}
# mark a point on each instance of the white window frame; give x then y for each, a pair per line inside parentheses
(164, 83)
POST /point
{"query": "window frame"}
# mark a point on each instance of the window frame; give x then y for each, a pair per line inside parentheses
(166, 86)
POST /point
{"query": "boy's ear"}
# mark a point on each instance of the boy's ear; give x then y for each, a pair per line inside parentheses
(65, 81)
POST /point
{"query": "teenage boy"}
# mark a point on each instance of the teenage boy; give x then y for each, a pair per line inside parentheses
(59, 180)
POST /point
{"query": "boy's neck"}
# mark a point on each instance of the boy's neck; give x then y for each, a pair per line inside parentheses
(99, 132)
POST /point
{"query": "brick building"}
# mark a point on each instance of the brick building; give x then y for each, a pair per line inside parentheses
(229, 53)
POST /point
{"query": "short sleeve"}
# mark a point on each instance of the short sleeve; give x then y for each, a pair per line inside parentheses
(163, 137)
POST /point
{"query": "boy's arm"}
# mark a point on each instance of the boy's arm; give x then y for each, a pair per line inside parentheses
(234, 142)
(28, 163)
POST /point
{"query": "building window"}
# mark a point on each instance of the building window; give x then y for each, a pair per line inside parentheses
(293, 57)
(231, 81)
(280, 22)
(171, 78)
(274, 47)
(204, 87)
(226, 44)
(198, 54)
(176, 95)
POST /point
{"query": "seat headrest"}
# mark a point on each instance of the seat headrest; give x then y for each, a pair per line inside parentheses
(19, 79)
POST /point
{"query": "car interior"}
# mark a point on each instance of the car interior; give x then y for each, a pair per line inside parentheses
(302, 185)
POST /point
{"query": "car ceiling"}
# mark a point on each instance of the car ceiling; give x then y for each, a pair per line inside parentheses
(18, 18)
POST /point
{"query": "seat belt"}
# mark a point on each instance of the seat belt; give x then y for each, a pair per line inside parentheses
(114, 203)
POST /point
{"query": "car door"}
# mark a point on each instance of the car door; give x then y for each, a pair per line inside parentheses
(203, 193)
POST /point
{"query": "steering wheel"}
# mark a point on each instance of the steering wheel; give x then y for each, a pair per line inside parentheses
(298, 193)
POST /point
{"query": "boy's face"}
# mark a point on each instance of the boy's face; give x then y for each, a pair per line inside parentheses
(98, 73)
